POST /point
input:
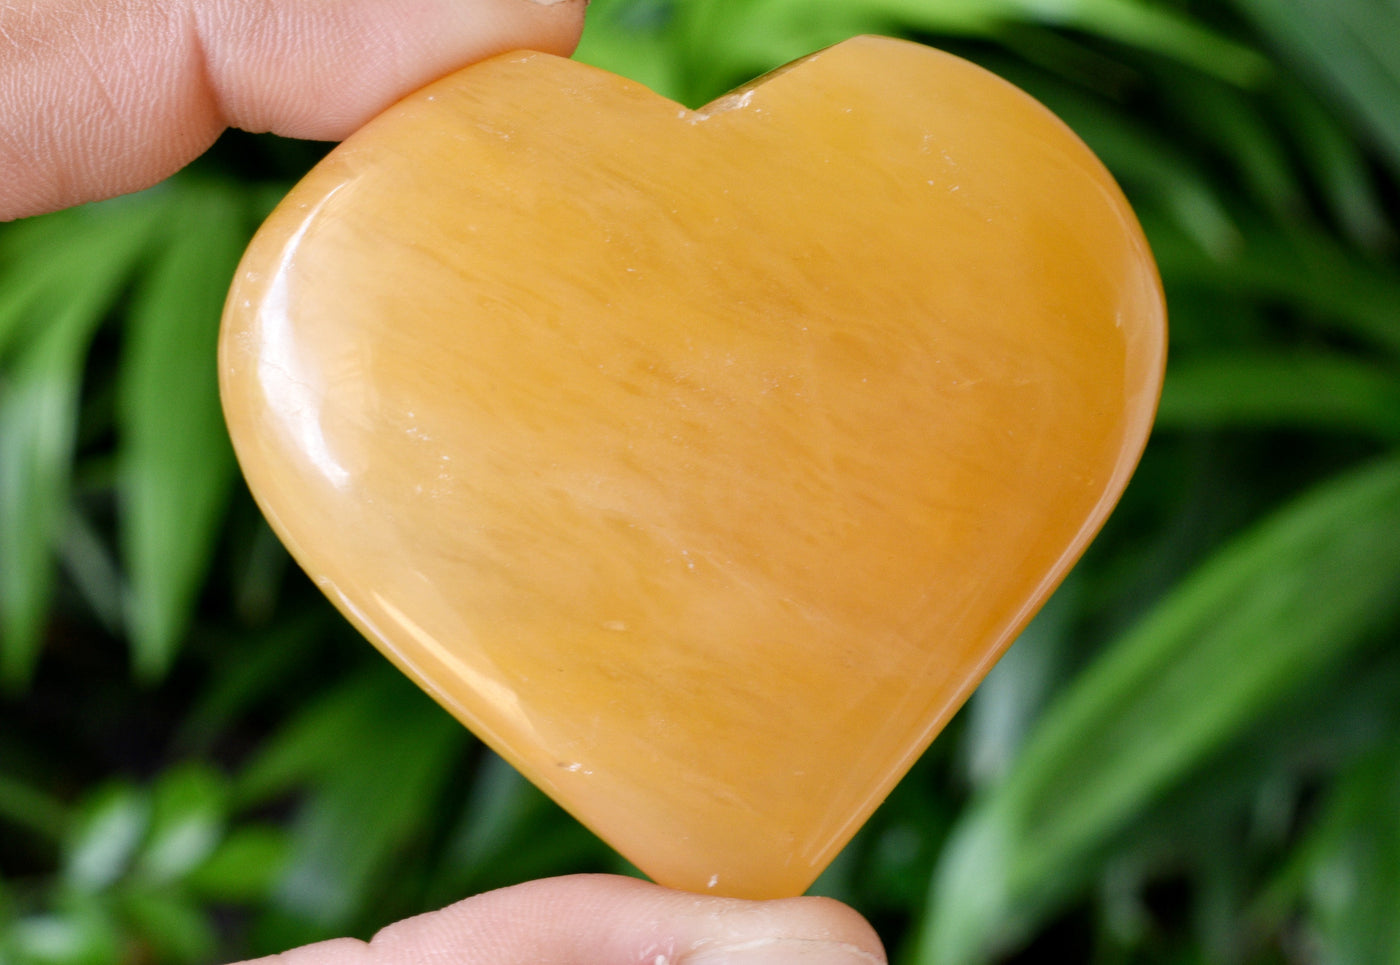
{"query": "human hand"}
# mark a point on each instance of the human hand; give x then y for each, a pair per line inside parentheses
(104, 97)
(607, 920)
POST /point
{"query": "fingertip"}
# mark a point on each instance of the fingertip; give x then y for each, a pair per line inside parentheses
(336, 951)
(611, 920)
(103, 97)
(607, 920)
(563, 25)
(839, 923)
(321, 75)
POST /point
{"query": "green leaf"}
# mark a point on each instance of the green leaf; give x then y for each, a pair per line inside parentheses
(189, 804)
(1314, 391)
(105, 837)
(1350, 46)
(631, 40)
(38, 414)
(731, 42)
(693, 50)
(1266, 615)
(80, 276)
(244, 868)
(27, 807)
(501, 804)
(1152, 166)
(1304, 270)
(1006, 704)
(1148, 26)
(316, 741)
(507, 832)
(1157, 28)
(93, 570)
(1229, 123)
(18, 292)
(80, 934)
(249, 669)
(172, 926)
(176, 464)
(37, 256)
(816, 23)
(1339, 166)
(1352, 864)
(372, 755)
(1248, 803)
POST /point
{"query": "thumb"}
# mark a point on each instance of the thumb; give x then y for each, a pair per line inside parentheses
(101, 97)
(605, 920)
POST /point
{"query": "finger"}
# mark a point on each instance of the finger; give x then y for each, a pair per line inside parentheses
(605, 920)
(101, 97)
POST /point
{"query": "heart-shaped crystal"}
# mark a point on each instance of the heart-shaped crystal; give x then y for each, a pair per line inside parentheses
(701, 462)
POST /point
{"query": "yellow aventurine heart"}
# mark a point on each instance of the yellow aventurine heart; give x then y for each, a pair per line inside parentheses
(700, 462)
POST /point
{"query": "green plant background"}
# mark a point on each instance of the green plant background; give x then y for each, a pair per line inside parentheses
(1192, 755)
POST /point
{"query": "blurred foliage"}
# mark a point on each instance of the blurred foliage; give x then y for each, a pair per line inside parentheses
(1192, 755)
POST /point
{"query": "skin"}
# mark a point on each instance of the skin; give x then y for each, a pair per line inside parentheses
(104, 97)
(606, 920)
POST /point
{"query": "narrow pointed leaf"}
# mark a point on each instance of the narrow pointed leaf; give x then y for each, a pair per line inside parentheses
(40, 387)
(24, 806)
(1148, 26)
(1340, 167)
(176, 463)
(1352, 864)
(1276, 607)
(1251, 390)
(1352, 47)
(633, 40)
(371, 756)
(188, 810)
(1302, 269)
(90, 565)
(244, 868)
(105, 837)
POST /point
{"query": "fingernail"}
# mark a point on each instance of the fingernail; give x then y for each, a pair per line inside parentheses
(782, 951)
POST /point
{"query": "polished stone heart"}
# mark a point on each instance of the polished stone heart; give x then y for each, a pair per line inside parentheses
(700, 462)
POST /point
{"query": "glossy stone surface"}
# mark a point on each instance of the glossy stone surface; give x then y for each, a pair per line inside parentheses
(700, 462)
